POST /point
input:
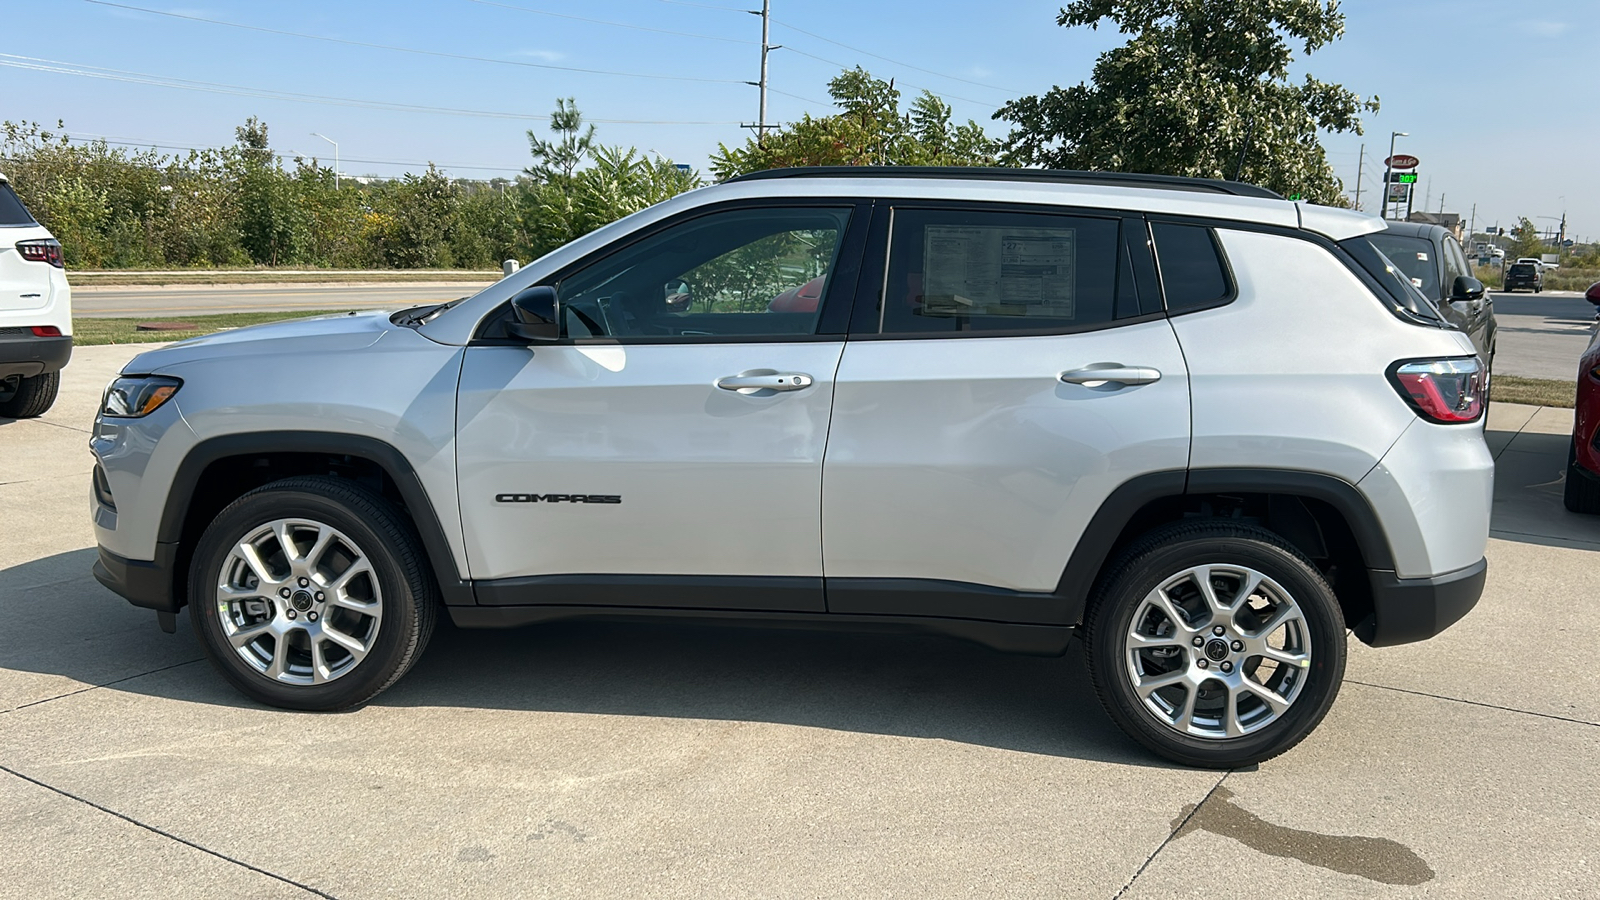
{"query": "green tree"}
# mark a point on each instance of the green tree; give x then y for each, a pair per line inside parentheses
(1525, 240)
(869, 129)
(271, 219)
(555, 161)
(1200, 86)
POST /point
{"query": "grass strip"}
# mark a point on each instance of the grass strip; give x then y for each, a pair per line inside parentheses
(1533, 391)
(93, 332)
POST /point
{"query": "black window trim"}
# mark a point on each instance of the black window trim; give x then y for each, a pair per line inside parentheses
(1228, 276)
(867, 322)
(833, 315)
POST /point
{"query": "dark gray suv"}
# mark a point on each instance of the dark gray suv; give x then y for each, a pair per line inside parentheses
(1433, 259)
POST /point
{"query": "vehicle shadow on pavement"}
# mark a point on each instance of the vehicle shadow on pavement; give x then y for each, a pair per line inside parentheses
(906, 685)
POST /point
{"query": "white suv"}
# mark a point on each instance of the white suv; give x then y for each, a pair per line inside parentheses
(35, 311)
(1201, 426)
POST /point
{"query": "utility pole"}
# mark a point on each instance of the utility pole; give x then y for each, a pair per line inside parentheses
(766, 47)
(1361, 163)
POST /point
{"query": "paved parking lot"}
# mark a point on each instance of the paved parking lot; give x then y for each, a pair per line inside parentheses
(628, 760)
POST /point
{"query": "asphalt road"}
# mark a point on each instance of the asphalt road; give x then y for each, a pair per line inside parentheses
(115, 302)
(697, 762)
(1541, 335)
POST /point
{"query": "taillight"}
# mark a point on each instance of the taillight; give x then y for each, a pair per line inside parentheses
(45, 331)
(1447, 391)
(45, 250)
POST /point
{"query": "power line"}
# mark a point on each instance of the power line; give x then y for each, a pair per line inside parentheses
(541, 12)
(415, 50)
(902, 81)
(705, 5)
(84, 71)
(898, 62)
(116, 141)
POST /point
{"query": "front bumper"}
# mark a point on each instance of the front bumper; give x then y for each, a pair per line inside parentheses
(1405, 610)
(146, 584)
(28, 356)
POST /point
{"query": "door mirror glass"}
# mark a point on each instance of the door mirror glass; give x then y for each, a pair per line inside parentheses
(1466, 288)
(533, 314)
(678, 296)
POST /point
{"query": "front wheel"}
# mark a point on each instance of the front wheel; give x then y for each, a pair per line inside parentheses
(311, 593)
(1216, 644)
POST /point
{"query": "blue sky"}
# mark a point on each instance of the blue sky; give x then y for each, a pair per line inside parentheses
(1497, 97)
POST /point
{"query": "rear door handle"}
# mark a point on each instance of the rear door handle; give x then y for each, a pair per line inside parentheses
(1098, 374)
(778, 381)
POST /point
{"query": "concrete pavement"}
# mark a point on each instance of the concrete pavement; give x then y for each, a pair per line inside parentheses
(630, 760)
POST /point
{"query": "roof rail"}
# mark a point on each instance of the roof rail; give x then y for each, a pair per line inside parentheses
(1053, 176)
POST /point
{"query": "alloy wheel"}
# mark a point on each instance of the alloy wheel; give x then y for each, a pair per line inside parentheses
(299, 601)
(1218, 651)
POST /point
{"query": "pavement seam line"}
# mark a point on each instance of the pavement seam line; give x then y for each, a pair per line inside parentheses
(57, 425)
(1510, 709)
(1170, 835)
(166, 834)
(96, 687)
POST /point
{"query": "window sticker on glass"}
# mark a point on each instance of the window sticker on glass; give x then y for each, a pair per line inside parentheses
(999, 271)
(1417, 282)
(1422, 257)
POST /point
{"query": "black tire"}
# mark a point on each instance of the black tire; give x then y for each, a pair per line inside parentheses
(409, 595)
(27, 398)
(1170, 550)
(1581, 493)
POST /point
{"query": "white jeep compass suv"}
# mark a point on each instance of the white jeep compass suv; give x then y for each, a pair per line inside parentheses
(35, 311)
(1205, 428)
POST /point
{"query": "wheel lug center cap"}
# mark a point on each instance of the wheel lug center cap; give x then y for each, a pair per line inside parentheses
(301, 600)
(1216, 650)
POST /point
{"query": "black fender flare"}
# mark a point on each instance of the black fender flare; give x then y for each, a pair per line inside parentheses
(455, 589)
(1101, 534)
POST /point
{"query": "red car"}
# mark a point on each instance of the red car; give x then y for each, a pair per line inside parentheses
(1583, 465)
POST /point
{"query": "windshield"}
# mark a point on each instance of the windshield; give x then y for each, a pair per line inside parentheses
(12, 212)
(1391, 278)
(1522, 269)
(1414, 256)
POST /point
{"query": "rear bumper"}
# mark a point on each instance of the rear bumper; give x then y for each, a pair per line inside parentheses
(146, 584)
(1405, 610)
(29, 356)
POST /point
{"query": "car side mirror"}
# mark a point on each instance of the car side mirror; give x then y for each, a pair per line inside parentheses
(1593, 293)
(533, 314)
(1466, 288)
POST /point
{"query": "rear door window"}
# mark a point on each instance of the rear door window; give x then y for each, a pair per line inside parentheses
(12, 212)
(1193, 275)
(954, 271)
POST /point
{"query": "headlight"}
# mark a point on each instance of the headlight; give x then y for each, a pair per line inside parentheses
(132, 397)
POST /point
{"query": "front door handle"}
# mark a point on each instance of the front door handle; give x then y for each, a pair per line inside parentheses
(1099, 374)
(776, 381)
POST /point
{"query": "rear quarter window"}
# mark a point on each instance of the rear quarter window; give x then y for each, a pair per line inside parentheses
(12, 212)
(1193, 274)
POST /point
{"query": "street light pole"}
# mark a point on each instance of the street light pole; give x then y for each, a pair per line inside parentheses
(1388, 169)
(335, 157)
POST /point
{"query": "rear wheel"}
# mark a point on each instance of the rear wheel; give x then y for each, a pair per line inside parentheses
(312, 593)
(1581, 494)
(1216, 644)
(26, 398)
